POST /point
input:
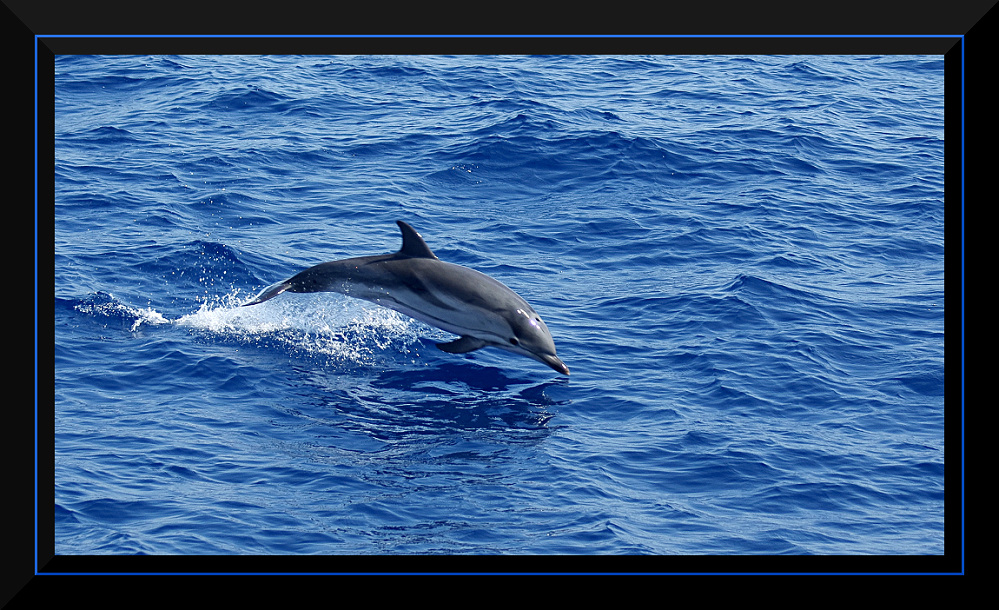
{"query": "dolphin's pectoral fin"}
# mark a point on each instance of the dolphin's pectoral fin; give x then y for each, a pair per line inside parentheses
(462, 346)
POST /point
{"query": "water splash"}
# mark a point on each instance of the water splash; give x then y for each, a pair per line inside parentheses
(104, 304)
(327, 325)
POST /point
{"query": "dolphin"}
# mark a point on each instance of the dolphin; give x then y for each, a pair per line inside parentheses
(413, 281)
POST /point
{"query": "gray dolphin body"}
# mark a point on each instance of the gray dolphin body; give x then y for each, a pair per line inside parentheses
(413, 281)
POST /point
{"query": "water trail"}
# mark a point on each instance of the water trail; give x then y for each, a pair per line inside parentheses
(320, 324)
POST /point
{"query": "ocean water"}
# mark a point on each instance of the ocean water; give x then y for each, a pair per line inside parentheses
(741, 260)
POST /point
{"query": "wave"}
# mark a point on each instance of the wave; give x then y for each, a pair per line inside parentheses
(103, 305)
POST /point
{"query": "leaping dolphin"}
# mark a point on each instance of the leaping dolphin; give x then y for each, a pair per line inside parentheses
(415, 282)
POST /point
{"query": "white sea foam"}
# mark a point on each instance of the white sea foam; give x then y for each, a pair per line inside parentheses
(147, 316)
(104, 304)
(323, 324)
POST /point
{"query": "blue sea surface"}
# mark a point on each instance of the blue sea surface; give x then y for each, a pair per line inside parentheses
(741, 260)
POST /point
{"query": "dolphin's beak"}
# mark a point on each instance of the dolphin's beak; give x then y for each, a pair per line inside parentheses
(554, 362)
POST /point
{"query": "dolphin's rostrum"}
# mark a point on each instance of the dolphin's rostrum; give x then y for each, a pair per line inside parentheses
(413, 281)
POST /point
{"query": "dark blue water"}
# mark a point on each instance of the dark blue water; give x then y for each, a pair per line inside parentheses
(740, 259)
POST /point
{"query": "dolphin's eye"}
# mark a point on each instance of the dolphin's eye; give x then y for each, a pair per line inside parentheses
(513, 341)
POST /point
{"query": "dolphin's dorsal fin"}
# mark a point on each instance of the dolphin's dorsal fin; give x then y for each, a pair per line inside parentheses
(413, 245)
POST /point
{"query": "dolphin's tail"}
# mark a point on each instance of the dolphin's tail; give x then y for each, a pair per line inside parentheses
(269, 293)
